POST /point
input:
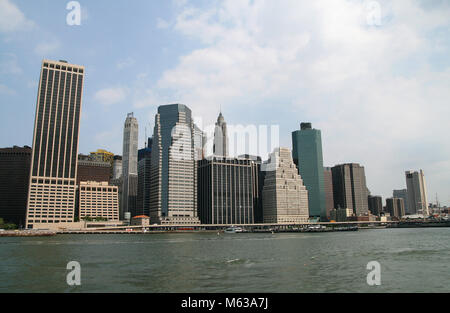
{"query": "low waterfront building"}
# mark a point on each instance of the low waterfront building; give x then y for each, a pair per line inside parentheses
(285, 198)
(341, 215)
(141, 220)
(98, 200)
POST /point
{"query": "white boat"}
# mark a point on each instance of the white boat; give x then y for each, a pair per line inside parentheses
(233, 230)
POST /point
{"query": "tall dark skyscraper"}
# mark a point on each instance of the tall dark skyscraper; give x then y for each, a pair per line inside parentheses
(375, 204)
(144, 176)
(307, 155)
(227, 190)
(417, 193)
(350, 189)
(51, 197)
(328, 184)
(14, 179)
(173, 194)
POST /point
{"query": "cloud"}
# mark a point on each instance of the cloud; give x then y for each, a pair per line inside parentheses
(110, 96)
(12, 19)
(372, 89)
(45, 48)
(162, 24)
(9, 64)
(125, 63)
(5, 90)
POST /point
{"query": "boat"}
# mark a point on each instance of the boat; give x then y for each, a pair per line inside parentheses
(233, 230)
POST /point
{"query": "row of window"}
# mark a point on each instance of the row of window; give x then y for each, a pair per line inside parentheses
(64, 68)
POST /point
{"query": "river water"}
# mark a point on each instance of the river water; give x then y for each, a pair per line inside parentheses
(412, 260)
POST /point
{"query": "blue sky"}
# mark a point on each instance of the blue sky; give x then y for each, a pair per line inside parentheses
(374, 76)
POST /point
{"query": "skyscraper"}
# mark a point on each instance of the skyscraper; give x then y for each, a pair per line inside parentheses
(285, 198)
(375, 204)
(15, 165)
(129, 166)
(227, 190)
(144, 176)
(51, 196)
(350, 189)
(220, 147)
(417, 193)
(173, 194)
(403, 194)
(307, 154)
(328, 185)
(395, 207)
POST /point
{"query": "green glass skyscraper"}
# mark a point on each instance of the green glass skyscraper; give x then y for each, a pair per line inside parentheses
(307, 155)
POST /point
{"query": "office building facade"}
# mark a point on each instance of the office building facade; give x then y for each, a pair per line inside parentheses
(403, 194)
(220, 148)
(98, 199)
(117, 167)
(375, 204)
(395, 207)
(227, 190)
(173, 194)
(51, 196)
(129, 166)
(328, 185)
(350, 189)
(144, 178)
(307, 155)
(285, 198)
(15, 165)
(93, 170)
(417, 193)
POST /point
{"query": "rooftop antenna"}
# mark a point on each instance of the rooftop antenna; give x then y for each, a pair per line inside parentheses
(145, 139)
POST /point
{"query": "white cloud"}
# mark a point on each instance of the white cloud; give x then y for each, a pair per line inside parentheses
(109, 96)
(9, 64)
(12, 19)
(161, 23)
(5, 90)
(48, 47)
(125, 63)
(371, 89)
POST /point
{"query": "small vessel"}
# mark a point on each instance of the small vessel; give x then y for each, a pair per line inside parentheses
(233, 230)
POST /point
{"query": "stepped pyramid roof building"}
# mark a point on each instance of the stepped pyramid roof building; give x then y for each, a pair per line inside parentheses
(285, 198)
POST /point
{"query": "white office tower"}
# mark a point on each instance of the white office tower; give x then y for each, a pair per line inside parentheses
(220, 148)
(285, 198)
(129, 166)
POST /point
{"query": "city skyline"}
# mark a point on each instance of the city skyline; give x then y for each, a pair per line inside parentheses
(384, 149)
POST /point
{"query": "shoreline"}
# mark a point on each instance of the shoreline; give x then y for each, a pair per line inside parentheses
(47, 233)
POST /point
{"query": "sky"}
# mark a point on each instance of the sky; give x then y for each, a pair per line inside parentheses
(373, 76)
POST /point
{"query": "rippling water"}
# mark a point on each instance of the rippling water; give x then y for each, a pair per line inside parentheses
(412, 260)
